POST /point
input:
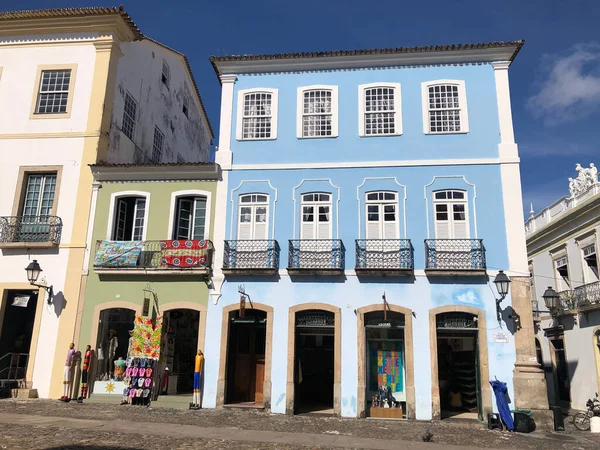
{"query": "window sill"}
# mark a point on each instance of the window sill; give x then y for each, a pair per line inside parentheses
(379, 135)
(65, 115)
(25, 245)
(257, 139)
(316, 137)
(446, 132)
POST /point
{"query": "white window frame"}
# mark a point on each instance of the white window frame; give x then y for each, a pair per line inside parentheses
(300, 110)
(155, 148)
(165, 75)
(193, 199)
(113, 211)
(563, 259)
(587, 278)
(462, 100)
(128, 116)
(240, 113)
(253, 205)
(315, 205)
(362, 88)
(450, 211)
(190, 193)
(40, 195)
(381, 204)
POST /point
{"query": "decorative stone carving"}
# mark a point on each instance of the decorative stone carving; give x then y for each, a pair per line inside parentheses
(586, 178)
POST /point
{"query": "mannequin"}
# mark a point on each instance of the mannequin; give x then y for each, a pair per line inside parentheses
(113, 343)
(67, 373)
(87, 359)
(197, 378)
(130, 343)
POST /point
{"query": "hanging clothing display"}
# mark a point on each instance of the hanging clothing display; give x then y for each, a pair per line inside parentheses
(386, 365)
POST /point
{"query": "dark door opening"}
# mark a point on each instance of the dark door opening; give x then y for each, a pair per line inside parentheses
(562, 370)
(458, 366)
(246, 357)
(314, 362)
(181, 346)
(17, 332)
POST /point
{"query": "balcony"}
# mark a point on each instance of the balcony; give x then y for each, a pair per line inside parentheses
(380, 257)
(583, 298)
(181, 257)
(30, 231)
(316, 257)
(454, 257)
(259, 257)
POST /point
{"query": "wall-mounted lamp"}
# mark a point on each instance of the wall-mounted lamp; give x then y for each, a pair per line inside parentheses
(502, 283)
(598, 338)
(33, 272)
(551, 299)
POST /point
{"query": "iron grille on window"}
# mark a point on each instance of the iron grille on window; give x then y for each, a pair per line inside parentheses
(384, 254)
(455, 254)
(54, 92)
(325, 254)
(30, 229)
(251, 254)
(379, 319)
(456, 320)
(314, 318)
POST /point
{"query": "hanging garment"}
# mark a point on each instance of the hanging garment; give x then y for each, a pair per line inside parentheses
(500, 392)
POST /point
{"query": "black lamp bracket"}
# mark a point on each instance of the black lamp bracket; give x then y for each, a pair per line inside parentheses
(48, 289)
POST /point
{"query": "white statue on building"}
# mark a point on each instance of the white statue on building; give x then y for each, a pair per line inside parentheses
(586, 178)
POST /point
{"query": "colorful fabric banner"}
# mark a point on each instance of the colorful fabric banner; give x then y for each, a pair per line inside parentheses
(118, 253)
(184, 253)
(146, 337)
(386, 365)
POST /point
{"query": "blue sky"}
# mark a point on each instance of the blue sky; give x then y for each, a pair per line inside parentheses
(555, 80)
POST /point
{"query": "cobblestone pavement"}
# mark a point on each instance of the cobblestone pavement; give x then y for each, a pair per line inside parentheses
(69, 435)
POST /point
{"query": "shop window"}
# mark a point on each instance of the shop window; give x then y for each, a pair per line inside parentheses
(113, 340)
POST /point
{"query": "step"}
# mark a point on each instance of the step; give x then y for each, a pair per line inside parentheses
(24, 394)
(173, 401)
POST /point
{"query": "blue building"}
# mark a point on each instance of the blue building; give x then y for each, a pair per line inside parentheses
(368, 201)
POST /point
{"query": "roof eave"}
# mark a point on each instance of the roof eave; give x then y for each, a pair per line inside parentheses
(292, 63)
(158, 172)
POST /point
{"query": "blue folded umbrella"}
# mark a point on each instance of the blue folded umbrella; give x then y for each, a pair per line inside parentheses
(500, 391)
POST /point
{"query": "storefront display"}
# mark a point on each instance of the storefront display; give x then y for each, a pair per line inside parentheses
(139, 377)
(113, 332)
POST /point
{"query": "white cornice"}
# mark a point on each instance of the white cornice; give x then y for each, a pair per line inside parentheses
(156, 173)
(486, 55)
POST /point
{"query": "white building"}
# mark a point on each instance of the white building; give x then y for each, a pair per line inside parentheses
(562, 245)
(77, 86)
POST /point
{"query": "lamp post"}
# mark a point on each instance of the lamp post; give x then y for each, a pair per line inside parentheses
(502, 283)
(551, 299)
(33, 272)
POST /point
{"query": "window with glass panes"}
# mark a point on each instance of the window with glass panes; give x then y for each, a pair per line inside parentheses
(129, 219)
(316, 216)
(317, 113)
(157, 145)
(444, 108)
(451, 217)
(382, 215)
(129, 116)
(53, 93)
(190, 218)
(253, 217)
(380, 110)
(166, 74)
(257, 115)
(39, 197)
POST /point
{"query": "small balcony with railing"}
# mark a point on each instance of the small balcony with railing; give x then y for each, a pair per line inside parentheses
(251, 257)
(181, 257)
(316, 257)
(582, 298)
(455, 257)
(30, 231)
(384, 257)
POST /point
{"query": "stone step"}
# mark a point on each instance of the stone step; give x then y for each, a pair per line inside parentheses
(163, 401)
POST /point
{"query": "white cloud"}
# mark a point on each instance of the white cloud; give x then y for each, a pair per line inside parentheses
(571, 89)
(469, 298)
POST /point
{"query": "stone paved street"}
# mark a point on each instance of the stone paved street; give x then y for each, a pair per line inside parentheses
(45, 424)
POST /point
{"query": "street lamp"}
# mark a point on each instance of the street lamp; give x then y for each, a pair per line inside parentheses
(551, 299)
(502, 283)
(33, 272)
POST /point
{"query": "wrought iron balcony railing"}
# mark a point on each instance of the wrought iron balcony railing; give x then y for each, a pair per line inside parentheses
(384, 256)
(316, 256)
(191, 256)
(39, 230)
(580, 297)
(455, 255)
(245, 256)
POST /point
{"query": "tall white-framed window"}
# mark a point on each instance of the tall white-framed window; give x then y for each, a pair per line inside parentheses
(129, 219)
(253, 217)
(379, 109)
(451, 214)
(317, 111)
(129, 116)
(157, 145)
(257, 114)
(55, 87)
(444, 107)
(190, 218)
(165, 77)
(561, 268)
(381, 214)
(590, 263)
(316, 220)
(39, 197)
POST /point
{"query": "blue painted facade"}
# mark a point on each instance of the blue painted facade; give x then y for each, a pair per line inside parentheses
(414, 183)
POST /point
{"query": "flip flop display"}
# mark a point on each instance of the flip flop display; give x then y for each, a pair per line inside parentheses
(138, 380)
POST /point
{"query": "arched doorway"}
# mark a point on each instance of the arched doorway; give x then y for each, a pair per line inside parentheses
(180, 345)
(460, 374)
(314, 365)
(112, 339)
(385, 339)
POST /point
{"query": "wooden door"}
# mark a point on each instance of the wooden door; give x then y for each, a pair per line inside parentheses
(259, 357)
(250, 364)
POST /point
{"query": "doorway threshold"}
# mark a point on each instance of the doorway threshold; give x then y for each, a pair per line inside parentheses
(244, 405)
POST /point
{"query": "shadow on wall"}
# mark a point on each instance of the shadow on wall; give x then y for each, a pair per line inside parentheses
(59, 303)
